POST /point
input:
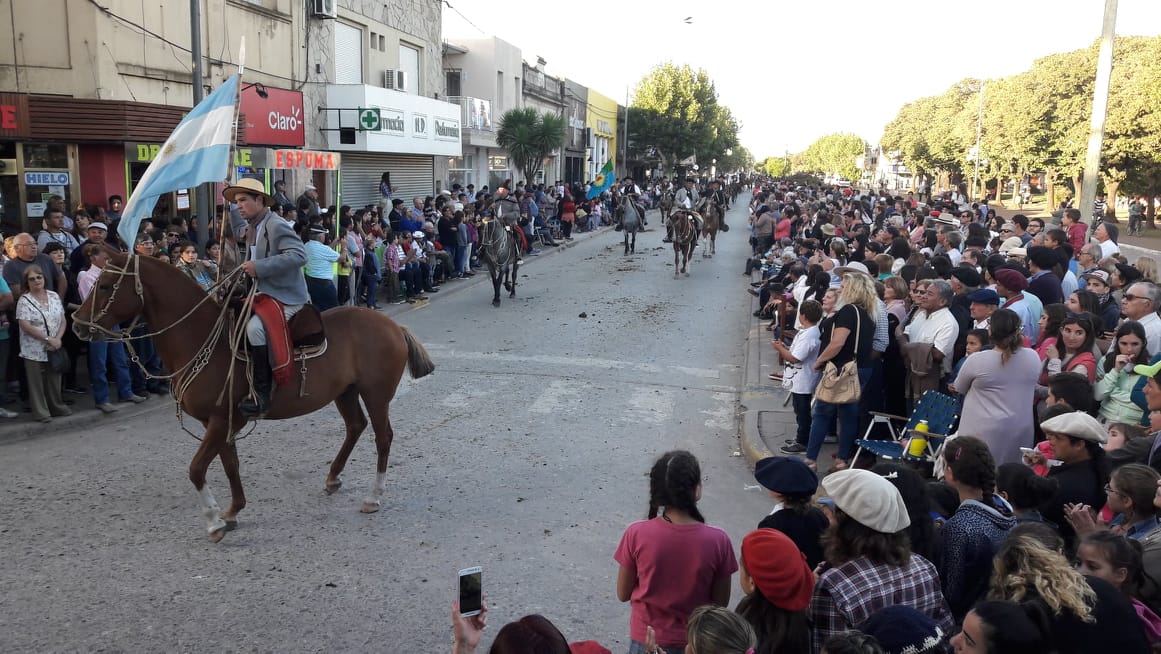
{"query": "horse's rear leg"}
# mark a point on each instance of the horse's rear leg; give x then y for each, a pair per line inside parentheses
(377, 408)
(348, 405)
(212, 441)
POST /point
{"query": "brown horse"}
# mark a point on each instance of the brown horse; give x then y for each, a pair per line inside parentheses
(712, 213)
(684, 240)
(364, 358)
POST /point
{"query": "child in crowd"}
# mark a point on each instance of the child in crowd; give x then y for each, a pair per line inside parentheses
(799, 373)
(1024, 490)
(977, 341)
(1121, 433)
(672, 562)
(778, 583)
(792, 484)
(714, 630)
(1118, 560)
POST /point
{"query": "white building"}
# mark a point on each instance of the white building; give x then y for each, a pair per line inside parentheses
(485, 78)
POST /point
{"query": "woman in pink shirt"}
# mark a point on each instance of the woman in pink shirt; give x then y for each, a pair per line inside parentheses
(672, 562)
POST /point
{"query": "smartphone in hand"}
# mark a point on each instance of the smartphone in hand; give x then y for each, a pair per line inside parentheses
(471, 591)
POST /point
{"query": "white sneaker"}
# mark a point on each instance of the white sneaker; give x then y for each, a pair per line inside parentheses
(108, 407)
(136, 399)
(5, 413)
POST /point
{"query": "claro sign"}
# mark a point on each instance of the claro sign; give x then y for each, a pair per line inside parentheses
(277, 119)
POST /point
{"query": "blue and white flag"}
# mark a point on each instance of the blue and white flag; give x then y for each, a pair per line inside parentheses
(197, 151)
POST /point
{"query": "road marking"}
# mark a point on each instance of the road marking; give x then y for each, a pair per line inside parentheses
(722, 415)
(560, 395)
(650, 405)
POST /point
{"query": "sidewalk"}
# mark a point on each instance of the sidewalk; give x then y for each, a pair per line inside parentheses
(767, 416)
(87, 416)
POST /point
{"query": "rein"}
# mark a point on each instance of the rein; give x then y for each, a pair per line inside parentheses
(199, 361)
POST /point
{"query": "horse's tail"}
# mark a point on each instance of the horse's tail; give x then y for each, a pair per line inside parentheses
(419, 363)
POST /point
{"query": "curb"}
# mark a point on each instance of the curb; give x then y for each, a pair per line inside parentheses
(25, 428)
(757, 397)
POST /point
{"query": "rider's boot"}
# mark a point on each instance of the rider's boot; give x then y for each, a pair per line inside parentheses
(260, 403)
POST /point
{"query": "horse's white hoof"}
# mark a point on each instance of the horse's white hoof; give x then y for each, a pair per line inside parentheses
(333, 486)
(217, 530)
(370, 506)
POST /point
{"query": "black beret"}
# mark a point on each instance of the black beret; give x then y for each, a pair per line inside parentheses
(787, 475)
(967, 276)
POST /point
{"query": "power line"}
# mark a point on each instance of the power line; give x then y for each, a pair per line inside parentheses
(146, 31)
(461, 15)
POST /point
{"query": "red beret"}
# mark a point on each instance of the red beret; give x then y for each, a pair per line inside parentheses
(1011, 279)
(778, 568)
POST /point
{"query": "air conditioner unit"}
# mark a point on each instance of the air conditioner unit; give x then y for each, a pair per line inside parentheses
(323, 8)
(395, 79)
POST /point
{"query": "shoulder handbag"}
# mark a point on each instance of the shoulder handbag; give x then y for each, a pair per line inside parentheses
(58, 359)
(841, 385)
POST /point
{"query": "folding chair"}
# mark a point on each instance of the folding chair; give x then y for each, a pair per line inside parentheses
(941, 411)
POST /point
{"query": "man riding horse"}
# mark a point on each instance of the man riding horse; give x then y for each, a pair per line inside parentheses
(686, 201)
(507, 210)
(719, 197)
(275, 259)
(634, 192)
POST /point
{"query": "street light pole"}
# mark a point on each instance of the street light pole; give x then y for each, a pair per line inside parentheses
(1100, 102)
(202, 192)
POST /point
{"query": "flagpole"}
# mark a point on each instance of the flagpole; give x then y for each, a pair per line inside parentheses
(233, 170)
(202, 192)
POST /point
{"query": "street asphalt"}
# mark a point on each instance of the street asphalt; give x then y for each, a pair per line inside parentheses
(526, 452)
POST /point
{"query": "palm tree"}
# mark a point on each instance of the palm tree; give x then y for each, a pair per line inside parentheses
(529, 136)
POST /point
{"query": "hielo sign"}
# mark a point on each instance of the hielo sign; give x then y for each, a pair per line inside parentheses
(46, 179)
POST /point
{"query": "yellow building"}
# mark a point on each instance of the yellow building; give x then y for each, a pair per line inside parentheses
(601, 120)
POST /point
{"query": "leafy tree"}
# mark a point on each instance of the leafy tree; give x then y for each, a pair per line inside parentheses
(529, 136)
(675, 113)
(835, 153)
(775, 166)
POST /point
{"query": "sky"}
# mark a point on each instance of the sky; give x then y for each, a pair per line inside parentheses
(793, 71)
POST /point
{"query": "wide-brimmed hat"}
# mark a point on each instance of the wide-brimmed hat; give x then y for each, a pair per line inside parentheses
(247, 185)
(1077, 424)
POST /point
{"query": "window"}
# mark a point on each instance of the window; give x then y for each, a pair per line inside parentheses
(374, 41)
(348, 54)
(452, 79)
(461, 170)
(382, 43)
(409, 64)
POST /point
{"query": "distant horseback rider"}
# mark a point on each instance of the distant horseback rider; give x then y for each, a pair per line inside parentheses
(633, 191)
(275, 259)
(507, 209)
(721, 199)
(685, 202)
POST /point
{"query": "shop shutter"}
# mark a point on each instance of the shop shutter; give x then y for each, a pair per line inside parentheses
(412, 174)
(348, 54)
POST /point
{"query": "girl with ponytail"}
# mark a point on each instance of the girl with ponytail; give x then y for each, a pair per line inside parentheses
(1118, 560)
(672, 562)
(976, 531)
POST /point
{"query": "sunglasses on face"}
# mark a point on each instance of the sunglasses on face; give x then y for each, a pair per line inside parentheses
(34, 277)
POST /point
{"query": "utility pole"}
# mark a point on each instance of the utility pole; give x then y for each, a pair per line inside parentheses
(1100, 102)
(626, 149)
(203, 191)
(979, 135)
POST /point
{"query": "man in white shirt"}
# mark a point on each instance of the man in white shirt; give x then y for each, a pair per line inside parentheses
(1140, 303)
(1106, 237)
(940, 328)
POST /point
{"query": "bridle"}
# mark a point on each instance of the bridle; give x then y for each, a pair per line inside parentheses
(132, 269)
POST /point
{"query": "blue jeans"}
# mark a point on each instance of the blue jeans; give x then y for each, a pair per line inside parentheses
(848, 422)
(148, 357)
(102, 356)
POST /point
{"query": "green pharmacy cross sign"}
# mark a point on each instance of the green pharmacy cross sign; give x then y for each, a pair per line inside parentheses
(369, 120)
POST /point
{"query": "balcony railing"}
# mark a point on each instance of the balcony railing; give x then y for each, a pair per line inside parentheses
(475, 113)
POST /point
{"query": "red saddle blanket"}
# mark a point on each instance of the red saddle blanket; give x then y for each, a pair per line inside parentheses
(273, 316)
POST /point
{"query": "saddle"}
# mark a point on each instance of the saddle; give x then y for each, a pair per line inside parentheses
(300, 338)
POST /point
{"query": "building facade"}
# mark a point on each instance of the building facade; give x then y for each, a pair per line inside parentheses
(88, 93)
(601, 120)
(576, 135)
(485, 77)
(546, 94)
(376, 88)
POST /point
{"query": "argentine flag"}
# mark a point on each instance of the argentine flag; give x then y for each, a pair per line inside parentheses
(603, 182)
(197, 151)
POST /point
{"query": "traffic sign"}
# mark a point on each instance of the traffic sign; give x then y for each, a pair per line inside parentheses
(46, 179)
(369, 120)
